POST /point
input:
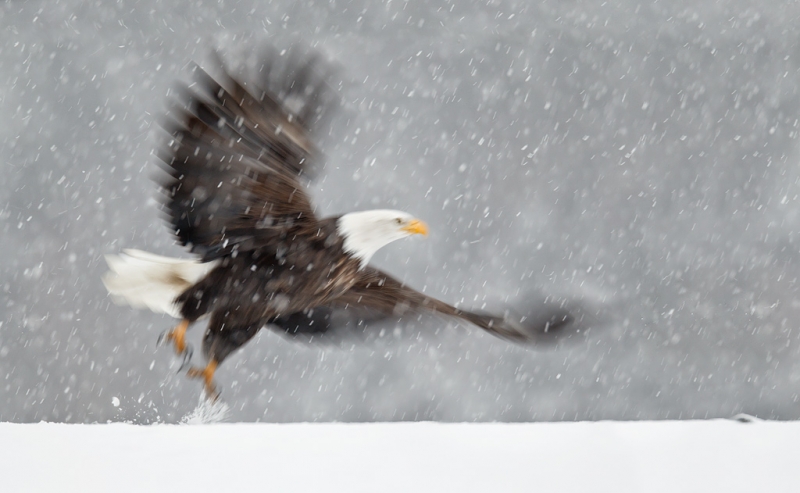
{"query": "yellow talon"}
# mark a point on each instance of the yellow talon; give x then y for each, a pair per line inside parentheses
(207, 374)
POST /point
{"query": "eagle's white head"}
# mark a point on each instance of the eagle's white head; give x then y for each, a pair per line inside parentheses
(366, 232)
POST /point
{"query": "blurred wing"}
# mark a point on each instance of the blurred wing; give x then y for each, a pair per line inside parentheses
(238, 149)
(377, 291)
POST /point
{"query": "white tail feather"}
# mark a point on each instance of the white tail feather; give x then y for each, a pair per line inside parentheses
(145, 280)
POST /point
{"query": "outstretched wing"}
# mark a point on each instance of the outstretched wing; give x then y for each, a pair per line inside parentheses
(377, 291)
(238, 150)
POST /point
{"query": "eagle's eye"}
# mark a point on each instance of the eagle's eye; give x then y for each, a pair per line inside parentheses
(398, 221)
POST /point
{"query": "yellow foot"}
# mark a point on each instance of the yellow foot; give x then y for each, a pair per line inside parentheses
(178, 337)
(207, 374)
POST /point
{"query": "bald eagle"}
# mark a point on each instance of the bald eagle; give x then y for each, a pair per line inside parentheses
(236, 160)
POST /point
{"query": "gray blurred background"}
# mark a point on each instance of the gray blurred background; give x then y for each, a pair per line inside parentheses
(636, 161)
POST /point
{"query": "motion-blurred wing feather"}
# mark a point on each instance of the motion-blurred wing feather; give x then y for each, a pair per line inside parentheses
(237, 154)
(378, 291)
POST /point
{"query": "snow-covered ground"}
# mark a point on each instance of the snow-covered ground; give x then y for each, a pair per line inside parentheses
(655, 456)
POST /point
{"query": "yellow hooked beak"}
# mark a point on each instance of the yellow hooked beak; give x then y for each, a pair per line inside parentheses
(416, 227)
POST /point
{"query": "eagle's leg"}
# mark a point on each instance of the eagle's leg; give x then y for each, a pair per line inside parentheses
(207, 374)
(219, 342)
(178, 338)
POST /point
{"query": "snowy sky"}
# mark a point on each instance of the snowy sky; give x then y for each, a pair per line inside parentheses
(634, 160)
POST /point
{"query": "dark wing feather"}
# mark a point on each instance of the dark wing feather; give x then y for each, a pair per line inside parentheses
(237, 154)
(377, 291)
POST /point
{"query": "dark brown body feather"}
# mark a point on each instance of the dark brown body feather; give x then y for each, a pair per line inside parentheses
(253, 288)
(236, 162)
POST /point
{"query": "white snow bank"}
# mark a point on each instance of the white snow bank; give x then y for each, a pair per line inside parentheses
(668, 456)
